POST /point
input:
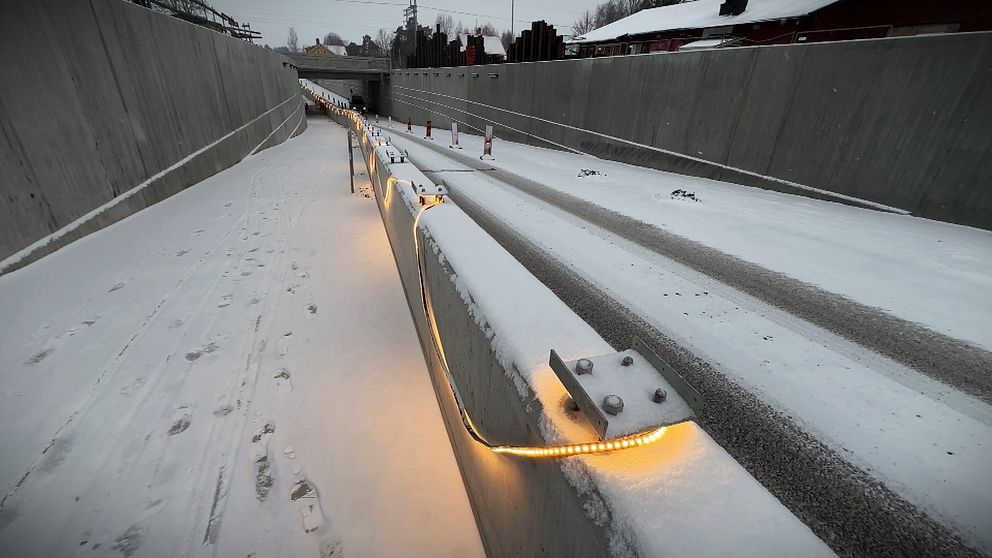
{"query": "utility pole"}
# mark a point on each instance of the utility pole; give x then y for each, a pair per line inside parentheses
(410, 13)
(511, 20)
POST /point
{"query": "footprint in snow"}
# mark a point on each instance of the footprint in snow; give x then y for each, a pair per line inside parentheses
(312, 309)
(181, 419)
(223, 411)
(283, 383)
(117, 286)
(182, 252)
(304, 496)
(225, 301)
(330, 549)
(284, 342)
(262, 461)
(133, 386)
(130, 541)
(40, 356)
(175, 324)
(200, 351)
(198, 231)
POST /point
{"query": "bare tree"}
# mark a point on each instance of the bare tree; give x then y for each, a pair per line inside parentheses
(584, 24)
(292, 41)
(384, 40)
(333, 39)
(446, 23)
(506, 37)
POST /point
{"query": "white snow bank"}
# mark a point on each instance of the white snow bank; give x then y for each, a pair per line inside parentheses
(701, 14)
(326, 94)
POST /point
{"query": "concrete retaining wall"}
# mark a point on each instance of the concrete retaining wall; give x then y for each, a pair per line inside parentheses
(902, 122)
(98, 97)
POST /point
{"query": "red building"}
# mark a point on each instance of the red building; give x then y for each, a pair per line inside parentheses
(716, 23)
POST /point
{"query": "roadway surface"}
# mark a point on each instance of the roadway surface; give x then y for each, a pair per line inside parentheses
(845, 505)
(221, 372)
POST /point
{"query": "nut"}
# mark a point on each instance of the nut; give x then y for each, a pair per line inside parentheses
(627, 361)
(583, 366)
(660, 395)
(612, 404)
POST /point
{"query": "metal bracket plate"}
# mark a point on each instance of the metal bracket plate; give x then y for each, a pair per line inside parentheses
(634, 384)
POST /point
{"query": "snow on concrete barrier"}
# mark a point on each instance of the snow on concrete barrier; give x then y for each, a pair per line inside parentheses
(491, 328)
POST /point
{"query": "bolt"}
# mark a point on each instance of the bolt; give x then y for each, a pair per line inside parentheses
(612, 404)
(660, 395)
(627, 361)
(583, 366)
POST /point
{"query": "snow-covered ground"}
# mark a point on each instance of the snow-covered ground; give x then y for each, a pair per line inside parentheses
(214, 374)
(327, 94)
(927, 442)
(933, 273)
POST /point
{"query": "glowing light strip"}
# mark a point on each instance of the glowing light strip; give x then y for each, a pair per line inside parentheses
(566, 450)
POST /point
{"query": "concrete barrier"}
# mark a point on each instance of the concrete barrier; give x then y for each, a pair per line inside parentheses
(900, 122)
(108, 107)
(651, 501)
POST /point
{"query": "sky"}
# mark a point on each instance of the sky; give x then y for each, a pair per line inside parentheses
(354, 18)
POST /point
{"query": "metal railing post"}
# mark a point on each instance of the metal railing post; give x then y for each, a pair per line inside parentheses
(351, 162)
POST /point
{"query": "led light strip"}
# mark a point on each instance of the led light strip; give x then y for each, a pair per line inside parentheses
(566, 450)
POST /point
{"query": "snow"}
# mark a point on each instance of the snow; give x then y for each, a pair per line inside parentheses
(669, 495)
(930, 272)
(701, 14)
(193, 380)
(706, 43)
(492, 44)
(327, 94)
(926, 442)
(16, 258)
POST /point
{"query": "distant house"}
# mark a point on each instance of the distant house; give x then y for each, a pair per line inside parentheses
(325, 50)
(720, 23)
